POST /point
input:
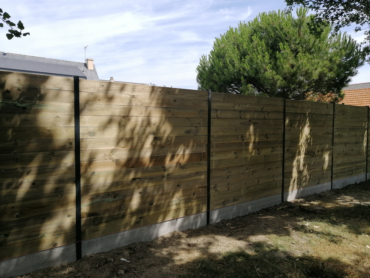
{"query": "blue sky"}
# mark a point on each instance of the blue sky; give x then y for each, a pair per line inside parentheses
(145, 41)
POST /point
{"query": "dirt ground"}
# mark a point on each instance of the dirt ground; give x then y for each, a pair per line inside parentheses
(332, 227)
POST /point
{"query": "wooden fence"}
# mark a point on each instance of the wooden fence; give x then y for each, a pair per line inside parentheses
(143, 155)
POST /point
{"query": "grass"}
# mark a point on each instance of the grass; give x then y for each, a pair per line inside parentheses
(330, 244)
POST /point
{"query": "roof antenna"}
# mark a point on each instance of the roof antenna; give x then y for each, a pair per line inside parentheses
(85, 51)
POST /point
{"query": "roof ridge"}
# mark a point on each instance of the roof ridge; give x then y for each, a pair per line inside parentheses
(39, 57)
(358, 83)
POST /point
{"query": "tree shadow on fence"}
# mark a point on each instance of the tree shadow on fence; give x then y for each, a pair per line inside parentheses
(143, 159)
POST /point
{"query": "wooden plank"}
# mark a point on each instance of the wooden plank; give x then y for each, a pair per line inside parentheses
(305, 130)
(32, 133)
(235, 183)
(37, 171)
(242, 161)
(245, 153)
(347, 173)
(126, 141)
(118, 133)
(36, 145)
(304, 154)
(253, 193)
(159, 122)
(55, 208)
(30, 191)
(120, 154)
(39, 108)
(251, 131)
(111, 88)
(317, 136)
(245, 169)
(235, 123)
(296, 182)
(23, 81)
(262, 137)
(306, 161)
(219, 107)
(92, 109)
(245, 114)
(26, 93)
(292, 149)
(141, 162)
(296, 141)
(31, 120)
(166, 174)
(139, 187)
(232, 98)
(15, 160)
(46, 184)
(236, 146)
(350, 129)
(142, 101)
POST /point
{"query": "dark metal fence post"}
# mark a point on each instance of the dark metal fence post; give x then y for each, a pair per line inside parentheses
(367, 141)
(77, 166)
(332, 148)
(283, 162)
(209, 158)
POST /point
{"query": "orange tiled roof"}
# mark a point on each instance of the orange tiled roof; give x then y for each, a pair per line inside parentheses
(357, 95)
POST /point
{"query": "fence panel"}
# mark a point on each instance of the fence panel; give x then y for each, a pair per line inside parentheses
(246, 148)
(350, 139)
(37, 192)
(308, 145)
(143, 155)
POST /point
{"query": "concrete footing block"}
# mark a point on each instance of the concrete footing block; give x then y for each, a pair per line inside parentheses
(32, 262)
(147, 233)
(347, 181)
(244, 208)
(295, 194)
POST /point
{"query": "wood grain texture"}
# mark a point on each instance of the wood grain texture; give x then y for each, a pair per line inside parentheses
(308, 145)
(143, 157)
(37, 163)
(350, 139)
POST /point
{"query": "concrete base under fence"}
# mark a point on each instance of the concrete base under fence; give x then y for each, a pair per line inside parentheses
(26, 264)
(148, 233)
(66, 254)
(291, 195)
(347, 181)
(243, 208)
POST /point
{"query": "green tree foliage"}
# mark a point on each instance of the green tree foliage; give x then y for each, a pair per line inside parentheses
(339, 13)
(276, 55)
(16, 30)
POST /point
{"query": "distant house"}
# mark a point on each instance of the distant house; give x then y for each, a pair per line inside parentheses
(40, 65)
(357, 94)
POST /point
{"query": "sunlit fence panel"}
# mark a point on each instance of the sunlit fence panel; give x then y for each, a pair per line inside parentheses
(350, 141)
(143, 155)
(308, 144)
(246, 148)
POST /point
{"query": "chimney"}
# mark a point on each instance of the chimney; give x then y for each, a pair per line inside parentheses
(111, 79)
(90, 64)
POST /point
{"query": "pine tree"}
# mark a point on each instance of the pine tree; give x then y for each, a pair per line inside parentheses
(276, 55)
